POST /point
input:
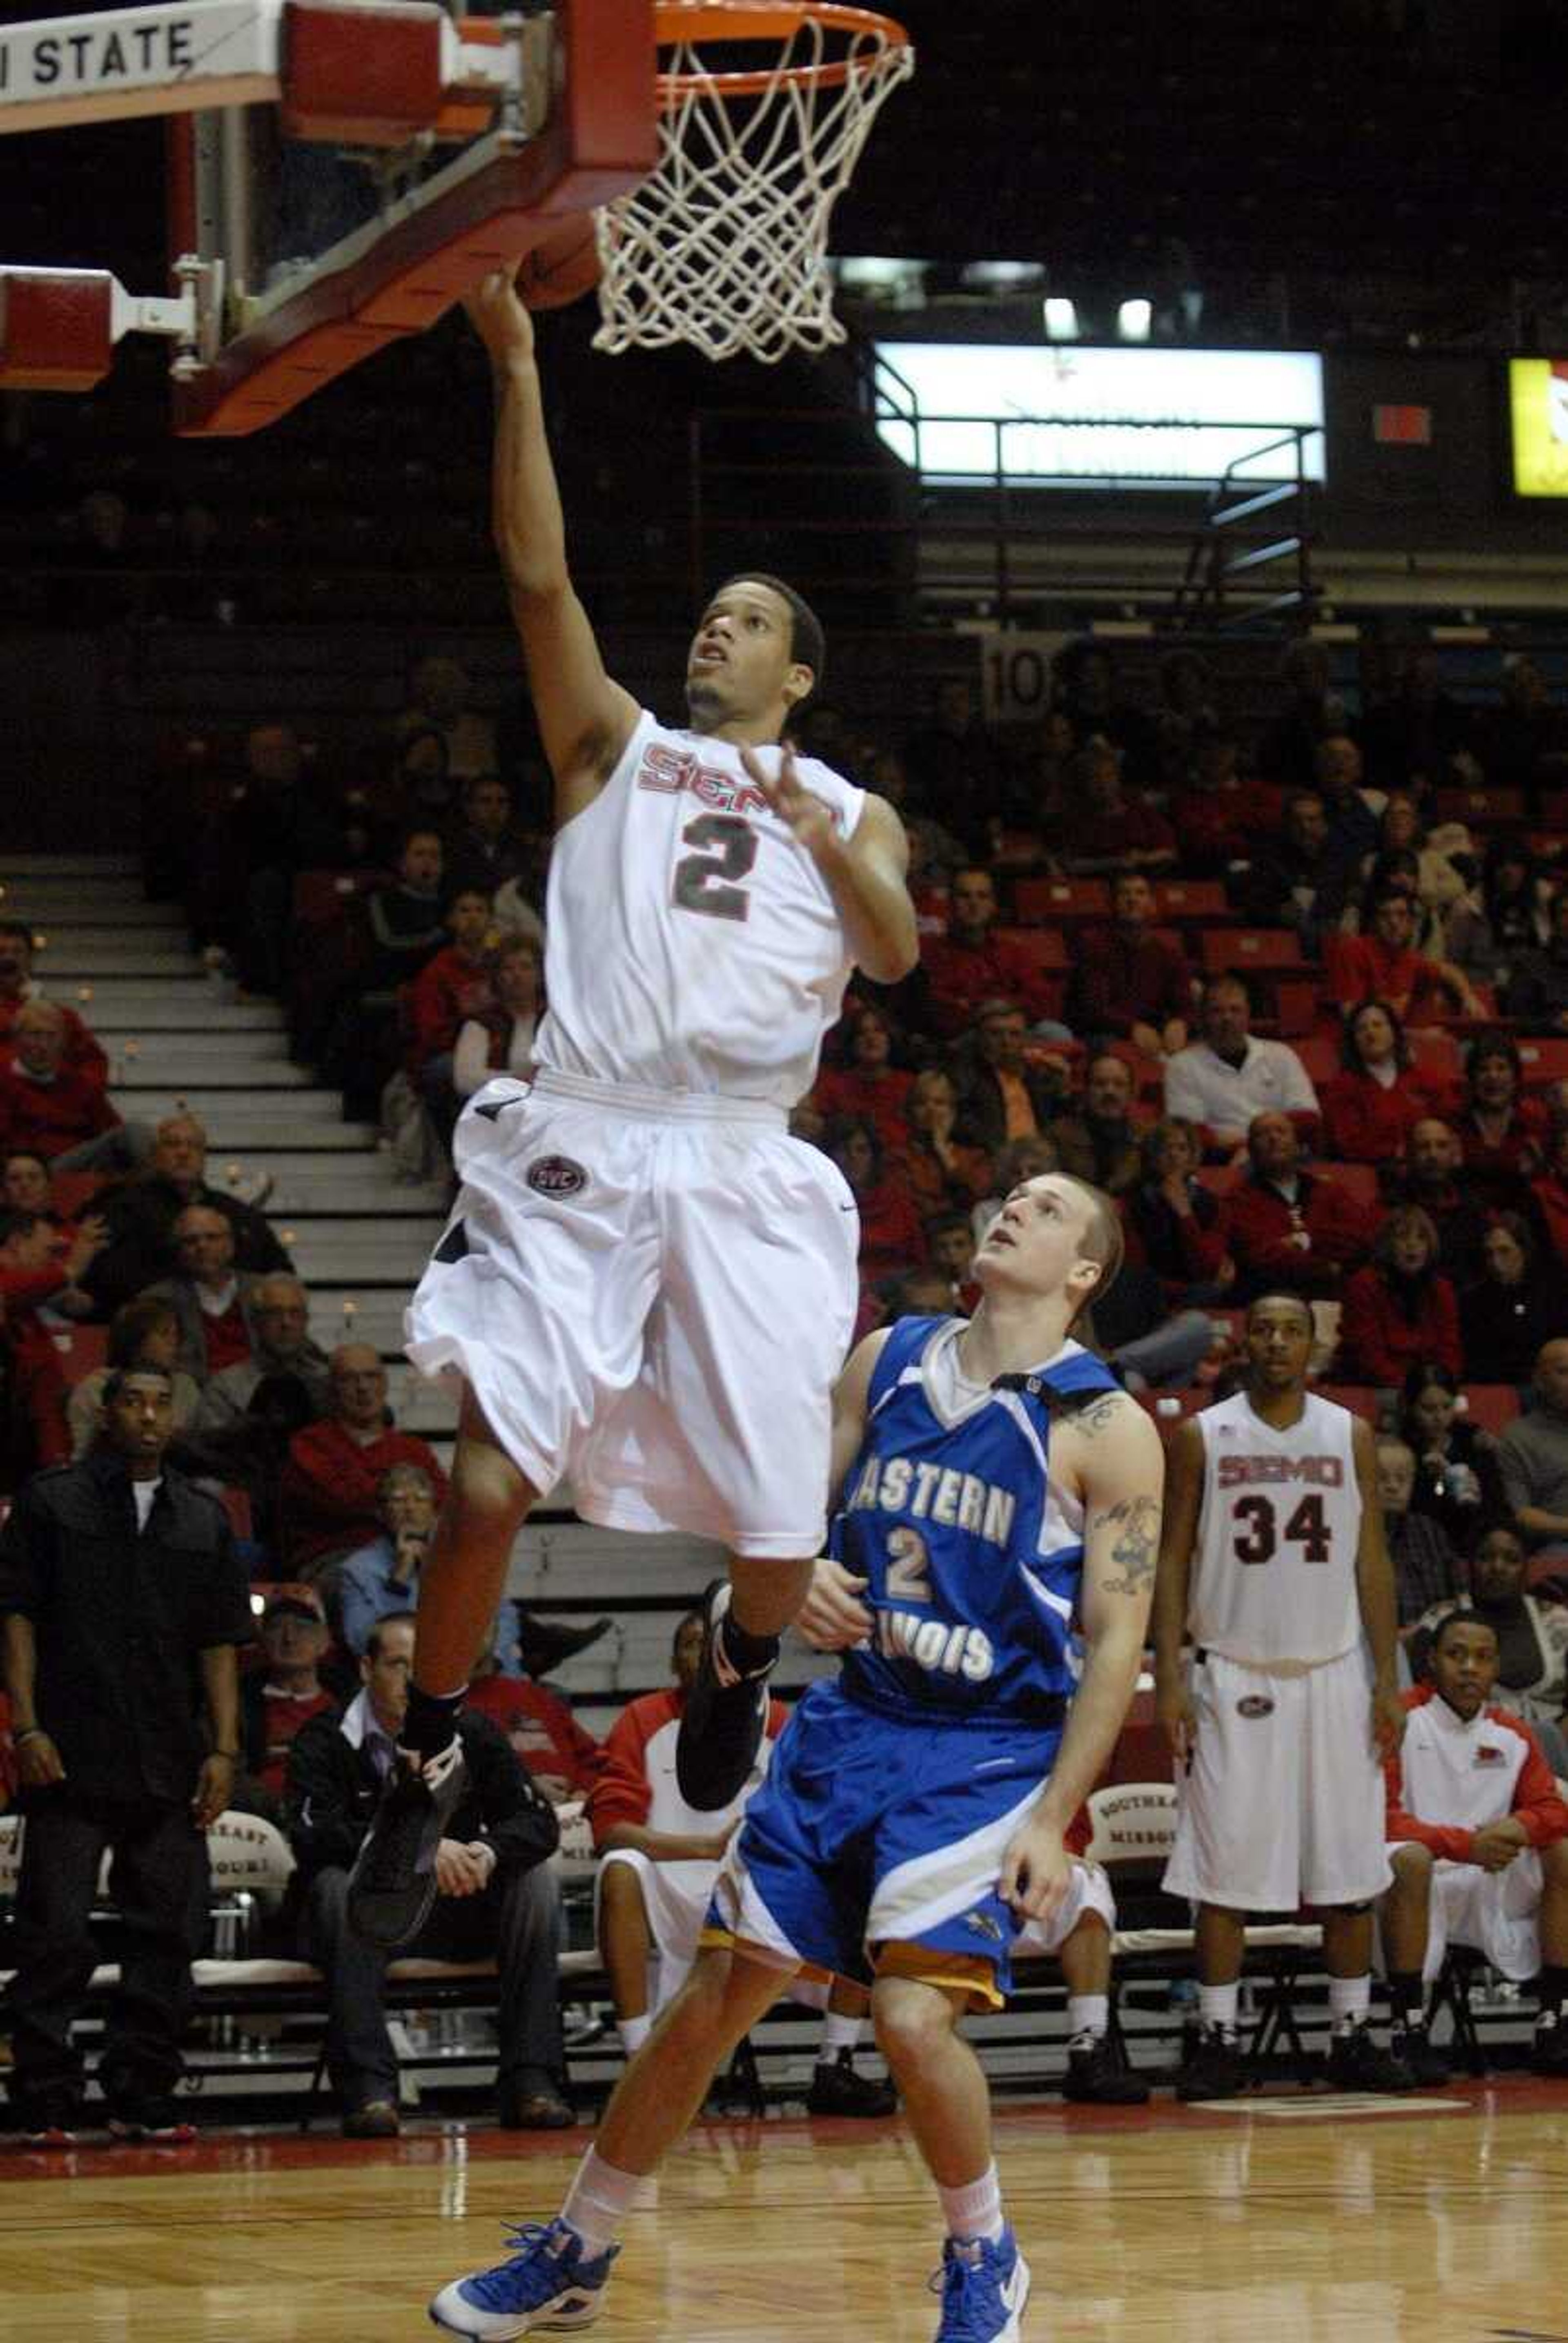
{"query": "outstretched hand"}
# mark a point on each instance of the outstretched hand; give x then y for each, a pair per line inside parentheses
(811, 819)
(500, 318)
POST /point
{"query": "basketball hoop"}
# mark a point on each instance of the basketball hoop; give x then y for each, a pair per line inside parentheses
(763, 113)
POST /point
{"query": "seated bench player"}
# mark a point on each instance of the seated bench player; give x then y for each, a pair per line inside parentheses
(994, 1482)
(1478, 1838)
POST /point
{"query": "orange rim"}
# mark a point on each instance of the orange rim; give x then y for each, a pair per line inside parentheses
(682, 21)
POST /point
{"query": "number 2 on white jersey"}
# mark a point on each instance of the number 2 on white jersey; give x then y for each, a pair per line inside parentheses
(702, 880)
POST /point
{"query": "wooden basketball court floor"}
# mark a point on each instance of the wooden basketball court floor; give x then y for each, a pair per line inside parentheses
(1290, 2221)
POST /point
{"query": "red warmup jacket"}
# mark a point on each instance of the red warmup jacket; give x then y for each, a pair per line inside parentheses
(877, 1098)
(1363, 968)
(326, 1490)
(1536, 1803)
(636, 1778)
(47, 1118)
(446, 990)
(1259, 1227)
(1365, 1124)
(1378, 1342)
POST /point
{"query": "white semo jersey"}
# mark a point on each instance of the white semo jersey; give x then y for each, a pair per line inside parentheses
(692, 943)
(1274, 1575)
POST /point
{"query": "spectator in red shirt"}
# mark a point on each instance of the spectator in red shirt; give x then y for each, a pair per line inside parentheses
(82, 1054)
(285, 1693)
(892, 1236)
(34, 1431)
(969, 964)
(1104, 831)
(1383, 966)
(52, 1111)
(1219, 817)
(1284, 1226)
(208, 1296)
(448, 987)
(1502, 1134)
(44, 1256)
(1375, 1102)
(1127, 983)
(1399, 1310)
(944, 1171)
(562, 1758)
(329, 1494)
(869, 1085)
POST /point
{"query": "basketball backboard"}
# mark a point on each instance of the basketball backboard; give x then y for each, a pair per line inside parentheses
(369, 161)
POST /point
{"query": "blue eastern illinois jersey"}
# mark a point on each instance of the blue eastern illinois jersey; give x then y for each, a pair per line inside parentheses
(973, 1556)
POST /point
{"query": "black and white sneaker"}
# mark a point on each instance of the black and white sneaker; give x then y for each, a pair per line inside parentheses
(392, 1886)
(1358, 2062)
(1098, 2077)
(839, 2089)
(149, 2115)
(1415, 2048)
(1214, 2069)
(1550, 2052)
(724, 1718)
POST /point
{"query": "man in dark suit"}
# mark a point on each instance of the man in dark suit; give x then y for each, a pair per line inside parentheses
(496, 1896)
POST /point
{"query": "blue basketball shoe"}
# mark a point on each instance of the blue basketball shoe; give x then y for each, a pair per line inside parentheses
(983, 2287)
(547, 2283)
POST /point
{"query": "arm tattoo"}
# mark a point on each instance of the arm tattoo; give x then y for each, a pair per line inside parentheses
(1136, 1521)
(1098, 1414)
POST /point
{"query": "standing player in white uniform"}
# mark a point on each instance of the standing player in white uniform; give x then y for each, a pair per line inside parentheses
(646, 1286)
(1272, 1565)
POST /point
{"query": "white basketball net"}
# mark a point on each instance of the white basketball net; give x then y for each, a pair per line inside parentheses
(725, 244)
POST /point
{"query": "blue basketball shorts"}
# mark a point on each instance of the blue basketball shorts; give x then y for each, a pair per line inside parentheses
(874, 1847)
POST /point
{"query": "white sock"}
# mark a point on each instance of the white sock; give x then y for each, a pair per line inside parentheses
(599, 2202)
(634, 2032)
(975, 2211)
(1088, 2013)
(1349, 2001)
(837, 2034)
(1217, 2004)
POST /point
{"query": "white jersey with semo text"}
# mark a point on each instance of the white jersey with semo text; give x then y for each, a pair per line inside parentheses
(1274, 1574)
(693, 944)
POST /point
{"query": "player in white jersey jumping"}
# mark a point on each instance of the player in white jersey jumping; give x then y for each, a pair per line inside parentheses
(646, 1286)
(1272, 1565)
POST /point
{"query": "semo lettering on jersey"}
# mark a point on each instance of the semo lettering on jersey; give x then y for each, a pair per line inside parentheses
(1242, 1471)
(673, 770)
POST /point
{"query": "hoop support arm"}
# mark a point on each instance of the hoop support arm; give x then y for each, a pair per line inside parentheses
(370, 72)
(58, 327)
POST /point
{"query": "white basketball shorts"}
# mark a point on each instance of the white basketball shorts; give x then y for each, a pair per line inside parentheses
(650, 1294)
(1495, 1913)
(1088, 1891)
(1282, 1802)
(675, 1897)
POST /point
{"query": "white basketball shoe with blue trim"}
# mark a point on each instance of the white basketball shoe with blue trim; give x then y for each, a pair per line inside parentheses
(549, 2284)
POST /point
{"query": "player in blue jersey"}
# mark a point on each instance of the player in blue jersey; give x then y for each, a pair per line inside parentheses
(999, 1517)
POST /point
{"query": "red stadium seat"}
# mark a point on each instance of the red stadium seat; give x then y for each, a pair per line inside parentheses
(1295, 1006)
(1492, 1406)
(1319, 1053)
(1249, 948)
(81, 1350)
(1359, 1398)
(1169, 1408)
(1357, 1180)
(1482, 809)
(1437, 1053)
(1543, 1062)
(1061, 900)
(1192, 901)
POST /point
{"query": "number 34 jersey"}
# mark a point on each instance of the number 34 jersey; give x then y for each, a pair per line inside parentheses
(1274, 1575)
(692, 942)
(972, 1554)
